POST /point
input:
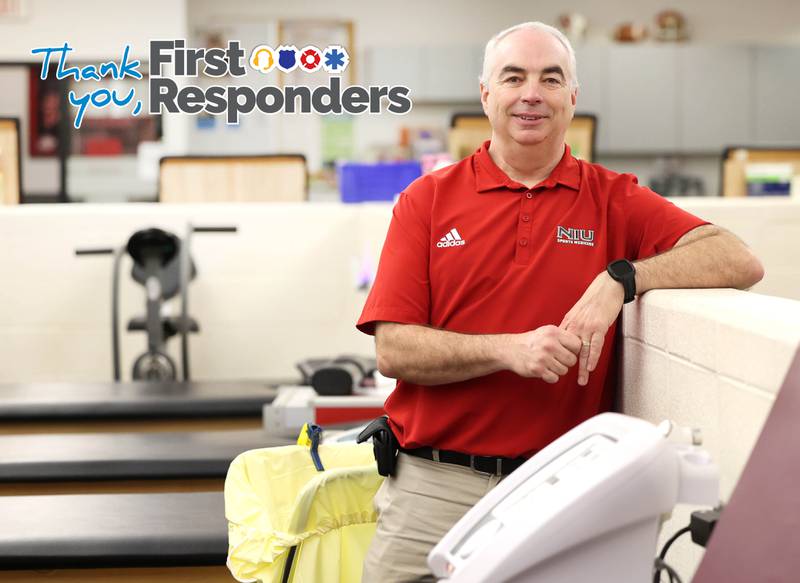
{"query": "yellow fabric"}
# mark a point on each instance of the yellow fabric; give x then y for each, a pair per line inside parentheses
(276, 499)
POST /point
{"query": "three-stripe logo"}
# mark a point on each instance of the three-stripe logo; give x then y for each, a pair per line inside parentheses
(451, 239)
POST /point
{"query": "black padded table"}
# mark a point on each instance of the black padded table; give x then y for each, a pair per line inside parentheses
(123, 462)
(134, 406)
(114, 537)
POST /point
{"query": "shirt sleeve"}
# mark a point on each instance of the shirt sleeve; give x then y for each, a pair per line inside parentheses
(654, 224)
(401, 292)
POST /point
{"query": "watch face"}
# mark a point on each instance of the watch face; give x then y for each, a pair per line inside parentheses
(622, 268)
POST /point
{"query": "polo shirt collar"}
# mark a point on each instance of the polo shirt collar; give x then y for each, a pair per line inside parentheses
(489, 177)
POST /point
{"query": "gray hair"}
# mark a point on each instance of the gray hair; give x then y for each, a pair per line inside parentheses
(493, 42)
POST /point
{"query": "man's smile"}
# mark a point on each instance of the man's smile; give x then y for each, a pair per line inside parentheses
(530, 118)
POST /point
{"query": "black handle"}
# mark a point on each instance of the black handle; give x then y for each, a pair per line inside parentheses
(99, 251)
(214, 229)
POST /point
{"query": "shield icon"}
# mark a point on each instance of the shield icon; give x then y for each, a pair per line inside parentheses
(287, 58)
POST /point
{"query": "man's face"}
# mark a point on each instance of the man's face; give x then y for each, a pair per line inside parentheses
(527, 96)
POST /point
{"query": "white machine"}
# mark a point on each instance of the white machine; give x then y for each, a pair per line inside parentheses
(585, 508)
(296, 405)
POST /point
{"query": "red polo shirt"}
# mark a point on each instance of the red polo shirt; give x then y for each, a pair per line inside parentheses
(470, 250)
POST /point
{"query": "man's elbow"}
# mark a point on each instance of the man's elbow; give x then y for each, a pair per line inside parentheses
(752, 271)
(385, 361)
(384, 364)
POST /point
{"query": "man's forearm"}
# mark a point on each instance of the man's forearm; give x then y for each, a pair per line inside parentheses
(429, 356)
(717, 260)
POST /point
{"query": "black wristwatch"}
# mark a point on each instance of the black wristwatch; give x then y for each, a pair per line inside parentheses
(624, 272)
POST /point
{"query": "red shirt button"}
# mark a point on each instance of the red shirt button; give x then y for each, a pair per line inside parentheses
(526, 218)
(523, 242)
(529, 195)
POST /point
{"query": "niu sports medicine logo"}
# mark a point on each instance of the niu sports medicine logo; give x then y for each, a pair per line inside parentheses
(575, 236)
(452, 239)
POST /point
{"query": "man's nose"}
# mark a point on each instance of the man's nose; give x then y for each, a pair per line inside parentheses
(531, 94)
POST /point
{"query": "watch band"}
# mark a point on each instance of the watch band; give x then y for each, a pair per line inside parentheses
(624, 272)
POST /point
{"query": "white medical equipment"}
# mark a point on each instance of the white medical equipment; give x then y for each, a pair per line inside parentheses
(295, 406)
(585, 508)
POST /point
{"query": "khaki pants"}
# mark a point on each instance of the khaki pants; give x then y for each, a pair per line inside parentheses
(416, 507)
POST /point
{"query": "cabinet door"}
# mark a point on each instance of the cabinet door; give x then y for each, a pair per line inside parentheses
(445, 74)
(451, 73)
(593, 90)
(777, 94)
(395, 66)
(716, 97)
(643, 99)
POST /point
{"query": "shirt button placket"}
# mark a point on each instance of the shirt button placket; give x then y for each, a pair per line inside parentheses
(524, 228)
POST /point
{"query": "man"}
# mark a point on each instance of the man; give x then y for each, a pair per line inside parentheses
(493, 305)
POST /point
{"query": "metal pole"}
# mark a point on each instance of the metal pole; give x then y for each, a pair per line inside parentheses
(185, 266)
(115, 312)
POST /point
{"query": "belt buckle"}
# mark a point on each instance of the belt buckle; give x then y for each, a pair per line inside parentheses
(477, 471)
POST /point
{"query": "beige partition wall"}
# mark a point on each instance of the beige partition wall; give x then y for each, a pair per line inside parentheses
(279, 178)
(289, 285)
(9, 161)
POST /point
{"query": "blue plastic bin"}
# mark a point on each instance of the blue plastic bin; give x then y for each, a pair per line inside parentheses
(381, 181)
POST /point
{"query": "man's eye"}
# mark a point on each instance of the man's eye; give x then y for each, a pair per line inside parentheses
(513, 79)
(553, 81)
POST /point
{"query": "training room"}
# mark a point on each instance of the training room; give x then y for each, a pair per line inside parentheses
(443, 291)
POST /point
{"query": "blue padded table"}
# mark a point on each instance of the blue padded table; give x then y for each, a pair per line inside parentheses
(114, 537)
(123, 462)
(134, 406)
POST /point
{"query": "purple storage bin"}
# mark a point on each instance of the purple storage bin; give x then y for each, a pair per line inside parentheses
(381, 181)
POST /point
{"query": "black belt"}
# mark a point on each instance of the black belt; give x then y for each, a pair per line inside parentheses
(498, 466)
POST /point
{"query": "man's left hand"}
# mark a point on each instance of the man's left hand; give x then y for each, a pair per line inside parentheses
(590, 319)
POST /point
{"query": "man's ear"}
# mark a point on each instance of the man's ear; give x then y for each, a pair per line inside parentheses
(484, 96)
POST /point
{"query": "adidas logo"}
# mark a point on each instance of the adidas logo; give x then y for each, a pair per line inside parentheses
(452, 239)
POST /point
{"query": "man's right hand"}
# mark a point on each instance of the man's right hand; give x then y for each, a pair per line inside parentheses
(547, 353)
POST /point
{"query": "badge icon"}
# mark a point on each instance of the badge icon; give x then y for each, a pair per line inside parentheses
(262, 59)
(287, 58)
(336, 59)
(310, 59)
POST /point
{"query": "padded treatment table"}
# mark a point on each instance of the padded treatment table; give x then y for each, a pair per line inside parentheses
(123, 462)
(135, 406)
(114, 537)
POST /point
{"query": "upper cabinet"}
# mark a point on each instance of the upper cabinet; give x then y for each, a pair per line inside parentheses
(593, 67)
(452, 73)
(649, 98)
(434, 74)
(642, 96)
(776, 86)
(716, 103)
(395, 66)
